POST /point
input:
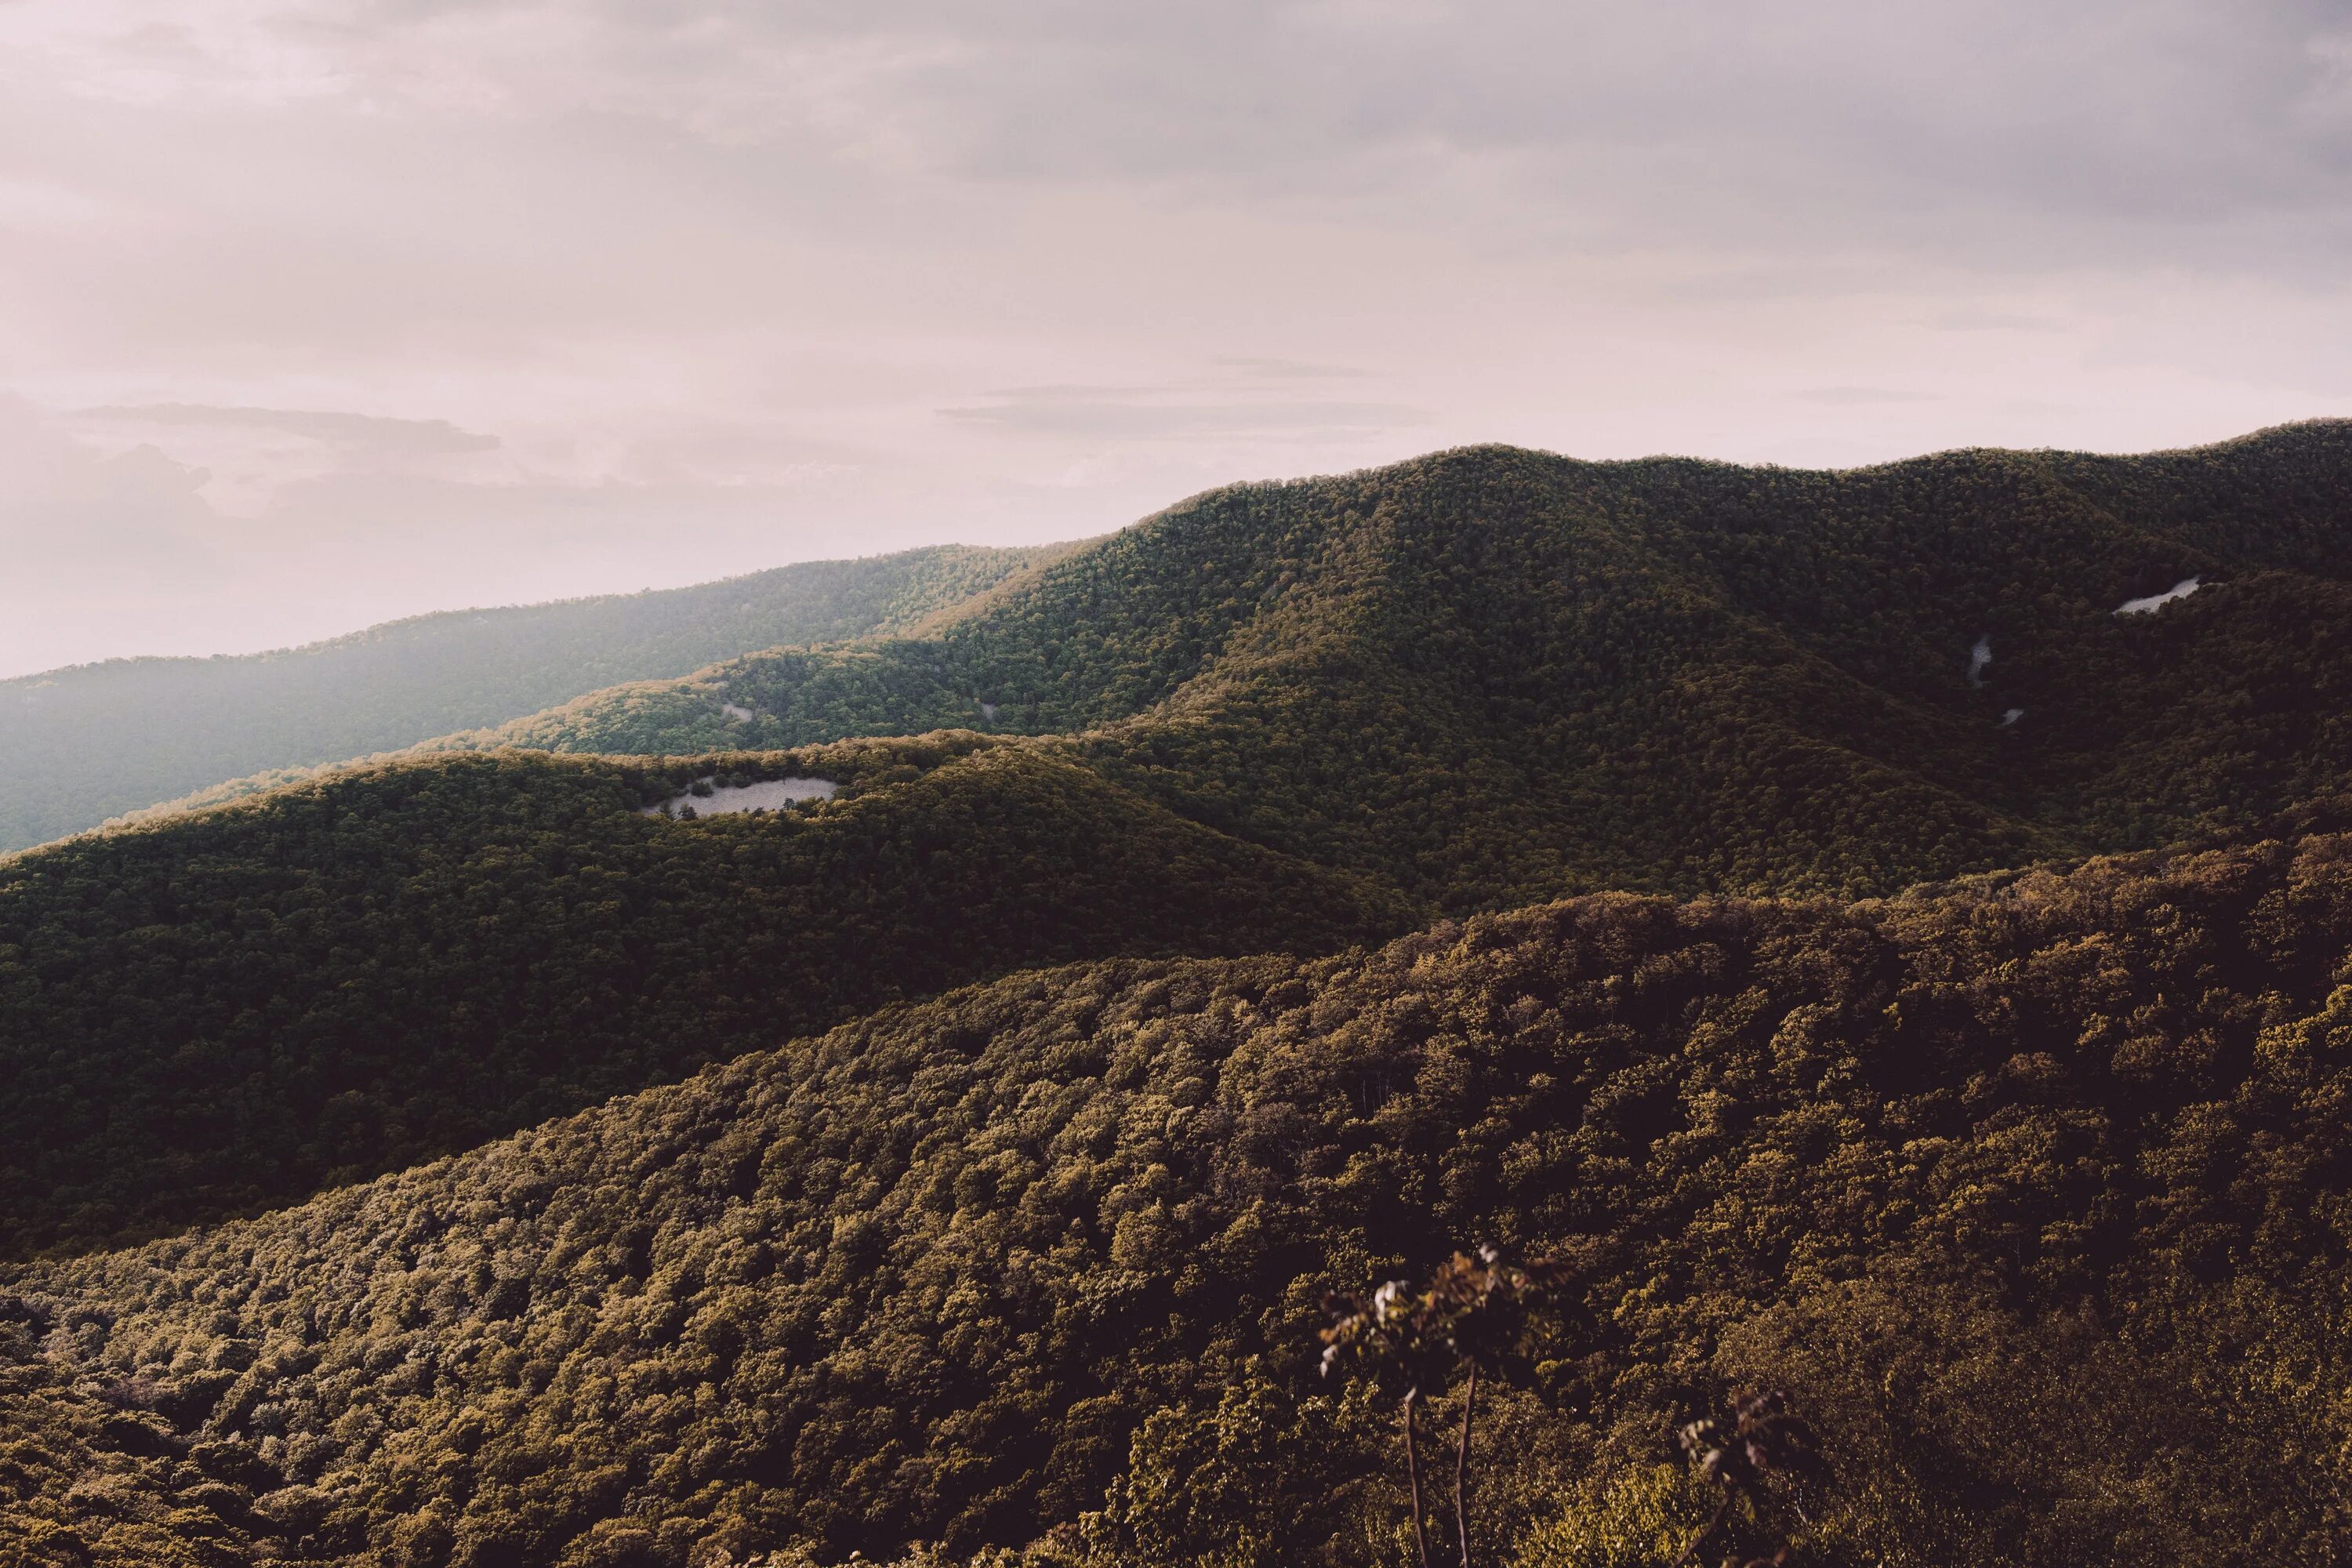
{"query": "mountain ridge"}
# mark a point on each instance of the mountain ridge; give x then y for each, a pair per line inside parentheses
(1462, 685)
(1681, 546)
(225, 1011)
(1659, 530)
(87, 742)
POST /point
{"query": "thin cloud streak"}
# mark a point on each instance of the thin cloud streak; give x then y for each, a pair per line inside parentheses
(358, 430)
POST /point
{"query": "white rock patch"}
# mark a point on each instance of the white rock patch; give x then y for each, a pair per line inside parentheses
(768, 794)
(2010, 716)
(2156, 602)
(740, 715)
(1978, 656)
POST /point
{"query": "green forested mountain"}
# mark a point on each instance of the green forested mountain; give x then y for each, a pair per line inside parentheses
(234, 1008)
(1492, 676)
(1987, 1097)
(2029, 1190)
(1474, 680)
(80, 745)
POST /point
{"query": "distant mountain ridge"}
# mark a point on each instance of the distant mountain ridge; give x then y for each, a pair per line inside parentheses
(1493, 676)
(82, 744)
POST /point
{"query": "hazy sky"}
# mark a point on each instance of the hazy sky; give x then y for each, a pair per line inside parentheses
(314, 312)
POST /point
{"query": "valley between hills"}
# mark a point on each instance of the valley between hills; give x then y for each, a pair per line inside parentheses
(1827, 919)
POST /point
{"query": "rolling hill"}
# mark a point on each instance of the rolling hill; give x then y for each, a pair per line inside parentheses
(1477, 680)
(2029, 1190)
(228, 1011)
(1493, 676)
(80, 745)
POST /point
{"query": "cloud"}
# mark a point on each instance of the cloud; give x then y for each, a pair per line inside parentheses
(1128, 413)
(1288, 369)
(1864, 396)
(1976, 319)
(2007, 130)
(361, 431)
(74, 521)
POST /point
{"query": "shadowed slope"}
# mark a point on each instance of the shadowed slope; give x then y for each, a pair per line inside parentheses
(2027, 1188)
(227, 1010)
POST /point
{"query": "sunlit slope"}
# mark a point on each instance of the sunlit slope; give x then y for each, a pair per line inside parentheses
(1495, 675)
(2029, 1191)
(231, 1008)
(80, 745)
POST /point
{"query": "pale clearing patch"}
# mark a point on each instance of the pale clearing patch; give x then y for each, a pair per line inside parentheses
(768, 794)
(2156, 602)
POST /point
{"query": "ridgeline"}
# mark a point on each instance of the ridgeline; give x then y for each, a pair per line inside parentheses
(1494, 675)
(81, 745)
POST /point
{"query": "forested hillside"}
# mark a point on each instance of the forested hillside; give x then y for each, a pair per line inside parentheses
(80, 745)
(1493, 676)
(1477, 680)
(1987, 1094)
(333, 981)
(2028, 1190)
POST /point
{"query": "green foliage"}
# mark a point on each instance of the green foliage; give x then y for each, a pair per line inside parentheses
(2029, 1190)
(1470, 1318)
(1642, 1518)
(1754, 1456)
(92, 1478)
(1472, 1313)
(1496, 676)
(1263, 1479)
(80, 745)
(1479, 678)
(234, 1008)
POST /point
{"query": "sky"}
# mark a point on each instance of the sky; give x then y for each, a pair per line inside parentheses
(315, 314)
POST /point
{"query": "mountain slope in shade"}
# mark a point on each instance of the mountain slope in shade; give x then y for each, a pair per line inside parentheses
(1493, 675)
(80, 745)
(2028, 1189)
(230, 1010)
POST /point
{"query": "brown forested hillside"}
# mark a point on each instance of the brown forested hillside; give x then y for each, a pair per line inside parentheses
(2029, 1189)
(229, 1010)
(1474, 680)
(2027, 1185)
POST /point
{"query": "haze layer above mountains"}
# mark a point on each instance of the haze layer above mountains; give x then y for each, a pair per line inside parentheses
(1002, 1268)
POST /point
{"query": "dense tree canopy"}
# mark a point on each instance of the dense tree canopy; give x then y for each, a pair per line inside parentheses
(1493, 676)
(2029, 1190)
(225, 1011)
